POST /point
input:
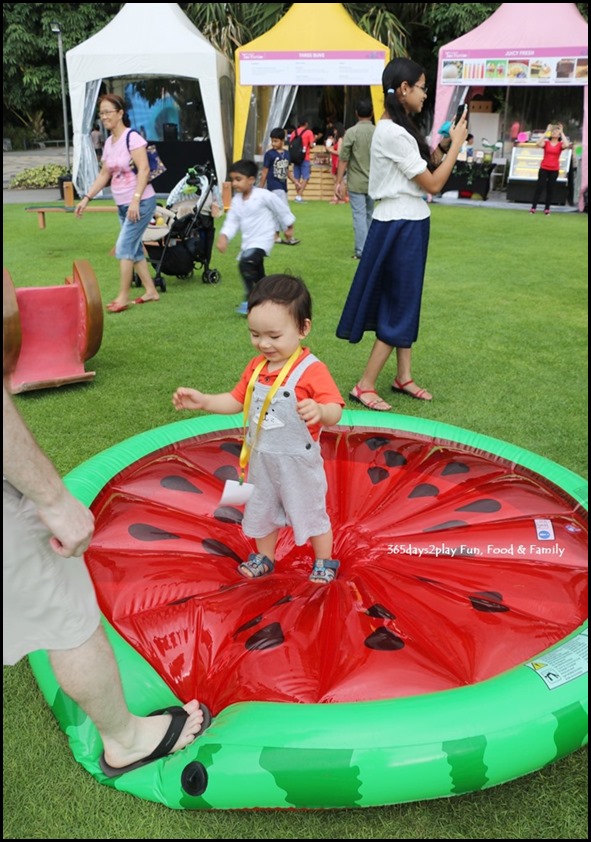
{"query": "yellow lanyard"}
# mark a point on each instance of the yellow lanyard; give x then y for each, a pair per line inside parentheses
(247, 448)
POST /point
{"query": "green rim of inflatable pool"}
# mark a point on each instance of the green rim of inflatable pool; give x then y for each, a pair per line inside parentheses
(274, 755)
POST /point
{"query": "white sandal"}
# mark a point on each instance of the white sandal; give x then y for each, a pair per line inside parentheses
(256, 565)
(324, 570)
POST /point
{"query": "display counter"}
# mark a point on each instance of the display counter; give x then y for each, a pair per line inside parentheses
(470, 178)
(321, 184)
(523, 173)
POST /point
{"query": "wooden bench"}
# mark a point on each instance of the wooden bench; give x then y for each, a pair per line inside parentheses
(42, 211)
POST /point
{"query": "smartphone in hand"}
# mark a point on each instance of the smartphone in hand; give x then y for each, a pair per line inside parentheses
(460, 112)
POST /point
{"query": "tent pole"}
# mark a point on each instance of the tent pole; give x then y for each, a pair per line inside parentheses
(505, 122)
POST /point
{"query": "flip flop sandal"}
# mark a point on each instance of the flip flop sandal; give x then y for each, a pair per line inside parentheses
(324, 570)
(178, 718)
(255, 566)
(397, 386)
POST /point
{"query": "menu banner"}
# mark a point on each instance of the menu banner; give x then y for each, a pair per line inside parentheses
(545, 66)
(317, 67)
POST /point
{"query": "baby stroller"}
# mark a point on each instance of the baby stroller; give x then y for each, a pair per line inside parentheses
(180, 236)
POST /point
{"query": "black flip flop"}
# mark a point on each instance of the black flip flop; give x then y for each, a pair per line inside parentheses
(179, 716)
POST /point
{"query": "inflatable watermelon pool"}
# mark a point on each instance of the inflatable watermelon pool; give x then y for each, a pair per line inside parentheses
(448, 656)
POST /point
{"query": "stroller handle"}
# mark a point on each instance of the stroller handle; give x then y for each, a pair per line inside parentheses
(206, 170)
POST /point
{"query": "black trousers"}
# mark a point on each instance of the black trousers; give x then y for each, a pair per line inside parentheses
(546, 180)
(252, 268)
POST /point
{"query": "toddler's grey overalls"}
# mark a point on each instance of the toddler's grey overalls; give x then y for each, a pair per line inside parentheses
(286, 467)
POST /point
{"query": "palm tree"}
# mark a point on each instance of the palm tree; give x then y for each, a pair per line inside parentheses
(231, 25)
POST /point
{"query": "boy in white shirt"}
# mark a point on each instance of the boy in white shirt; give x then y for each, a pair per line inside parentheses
(257, 214)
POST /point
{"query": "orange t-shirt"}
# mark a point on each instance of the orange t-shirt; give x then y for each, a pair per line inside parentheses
(316, 382)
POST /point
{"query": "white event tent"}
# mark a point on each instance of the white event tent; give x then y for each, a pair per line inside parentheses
(148, 39)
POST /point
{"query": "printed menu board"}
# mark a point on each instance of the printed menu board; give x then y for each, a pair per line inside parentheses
(342, 67)
(556, 66)
(526, 159)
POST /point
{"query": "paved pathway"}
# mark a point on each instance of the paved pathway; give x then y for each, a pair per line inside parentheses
(16, 162)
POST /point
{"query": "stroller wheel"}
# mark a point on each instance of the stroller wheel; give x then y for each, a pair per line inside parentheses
(211, 276)
(160, 283)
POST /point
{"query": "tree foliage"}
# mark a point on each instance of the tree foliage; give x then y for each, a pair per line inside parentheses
(31, 80)
(32, 83)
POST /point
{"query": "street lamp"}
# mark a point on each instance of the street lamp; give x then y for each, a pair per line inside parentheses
(57, 30)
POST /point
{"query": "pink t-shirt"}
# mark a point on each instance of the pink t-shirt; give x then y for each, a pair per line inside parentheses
(116, 157)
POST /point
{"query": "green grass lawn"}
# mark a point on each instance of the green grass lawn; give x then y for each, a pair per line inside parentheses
(503, 349)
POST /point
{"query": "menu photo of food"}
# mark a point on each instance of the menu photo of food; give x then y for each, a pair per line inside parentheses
(452, 70)
(539, 69)
(565, 68)
(518, 69)
(496, 69)
(582, 70)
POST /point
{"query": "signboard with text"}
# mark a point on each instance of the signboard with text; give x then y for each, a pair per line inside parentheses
(543, 66)
(341, 67)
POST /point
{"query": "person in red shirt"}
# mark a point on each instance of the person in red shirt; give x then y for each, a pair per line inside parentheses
(287, 395)
(301, 172)
(553, 142)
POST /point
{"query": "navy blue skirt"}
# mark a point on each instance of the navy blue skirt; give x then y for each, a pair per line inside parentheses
(386, 292)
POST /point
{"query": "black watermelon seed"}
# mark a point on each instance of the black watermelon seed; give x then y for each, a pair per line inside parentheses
(228, 514)
(146, 532)
(374, 443)
(384, 640)
(217, 548)
(455, 468)
(378, 610)
(176, 483)
(226, 472)
(393, 459)
(448, 524)
(481, 506)
(377, 475)
(233, 447)
(267, 638)
(488, 601)
(425, 489)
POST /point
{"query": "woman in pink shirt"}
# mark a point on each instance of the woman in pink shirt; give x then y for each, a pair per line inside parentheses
(553, 142)
(134, 196)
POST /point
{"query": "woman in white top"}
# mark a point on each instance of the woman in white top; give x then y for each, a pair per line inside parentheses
(386, 292)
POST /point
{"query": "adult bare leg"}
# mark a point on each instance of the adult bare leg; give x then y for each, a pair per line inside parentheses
(379, 356)
(89, 675)
(143, 273)
(404, 375)
(125, 279)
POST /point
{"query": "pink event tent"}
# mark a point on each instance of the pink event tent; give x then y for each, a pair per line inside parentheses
(549, 40)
